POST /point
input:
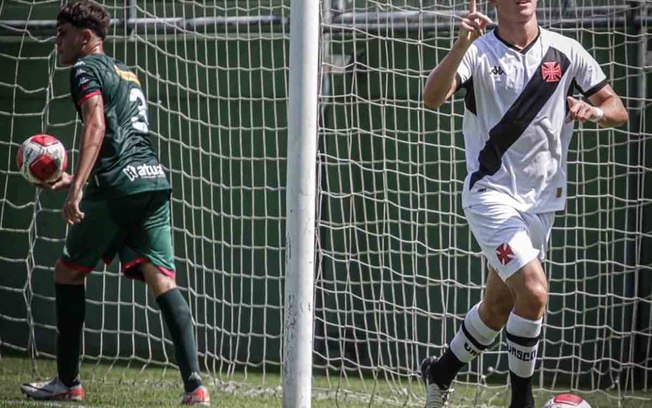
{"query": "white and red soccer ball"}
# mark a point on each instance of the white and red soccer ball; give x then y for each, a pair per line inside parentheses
(566, 401)
(42, 158)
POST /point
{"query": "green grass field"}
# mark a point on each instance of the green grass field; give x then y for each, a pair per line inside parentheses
(120, 386)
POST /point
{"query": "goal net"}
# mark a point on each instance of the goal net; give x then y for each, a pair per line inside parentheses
(397, 267)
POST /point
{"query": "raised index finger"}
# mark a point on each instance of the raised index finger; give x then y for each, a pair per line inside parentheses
(479, 16)
(472, 6)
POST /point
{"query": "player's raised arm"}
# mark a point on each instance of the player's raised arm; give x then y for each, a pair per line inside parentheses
(441, 82)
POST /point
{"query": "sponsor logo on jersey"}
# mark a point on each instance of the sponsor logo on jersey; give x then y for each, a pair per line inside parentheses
(126, 75)
(504, 253)
(145, 171)
(551, 71)
(497, 70)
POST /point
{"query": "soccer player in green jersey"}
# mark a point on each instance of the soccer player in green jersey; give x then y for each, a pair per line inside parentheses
(124, 209)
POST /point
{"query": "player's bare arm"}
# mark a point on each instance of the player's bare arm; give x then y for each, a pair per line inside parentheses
(92, 111)
(441, 83)
(610, 111)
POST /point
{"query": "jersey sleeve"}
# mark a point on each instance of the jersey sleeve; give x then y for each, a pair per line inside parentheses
(465, 69)
(84, 83)
(588, 74)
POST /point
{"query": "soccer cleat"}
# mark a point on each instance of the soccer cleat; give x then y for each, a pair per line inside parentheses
(436, 396)
(53, 390)
(197, 397)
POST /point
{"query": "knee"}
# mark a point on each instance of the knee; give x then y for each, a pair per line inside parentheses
(496, 312)
(165, 282)
(157, 281)
(535, 297)
(500, 307)
(67, 276)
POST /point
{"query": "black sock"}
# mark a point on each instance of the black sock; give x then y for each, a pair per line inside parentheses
(446, 368)
(521, 392)
(70, 310)
(179, 321)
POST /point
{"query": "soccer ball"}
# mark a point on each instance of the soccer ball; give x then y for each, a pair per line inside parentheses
(567, 401)
(42, 158)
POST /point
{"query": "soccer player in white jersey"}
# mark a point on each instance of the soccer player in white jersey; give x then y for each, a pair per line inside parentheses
(517, 127)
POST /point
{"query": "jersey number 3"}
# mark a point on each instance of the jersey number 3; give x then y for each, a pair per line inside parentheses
(139, 122)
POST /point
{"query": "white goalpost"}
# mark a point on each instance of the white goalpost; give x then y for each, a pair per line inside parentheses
(301, 193)
(316, 202)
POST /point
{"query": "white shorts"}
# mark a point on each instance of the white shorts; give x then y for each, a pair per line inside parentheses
(509, 238)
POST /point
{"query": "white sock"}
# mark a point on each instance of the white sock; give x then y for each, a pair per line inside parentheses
(473, 337)
(522, 344)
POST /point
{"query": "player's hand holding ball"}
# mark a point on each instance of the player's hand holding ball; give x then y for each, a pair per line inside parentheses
(42, 160)
(62, 183)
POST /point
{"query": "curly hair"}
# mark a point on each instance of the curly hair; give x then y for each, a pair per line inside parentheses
(86, 14)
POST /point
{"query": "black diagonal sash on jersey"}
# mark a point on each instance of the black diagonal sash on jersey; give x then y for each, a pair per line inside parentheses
(518, 117)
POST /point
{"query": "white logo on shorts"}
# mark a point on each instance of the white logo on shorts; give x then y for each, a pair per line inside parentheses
(143, 171)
